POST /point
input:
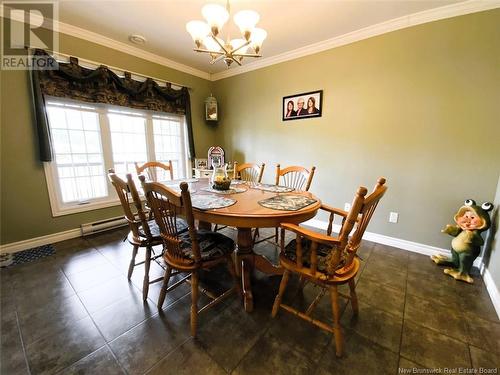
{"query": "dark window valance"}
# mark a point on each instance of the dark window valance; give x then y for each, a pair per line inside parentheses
(102, 85)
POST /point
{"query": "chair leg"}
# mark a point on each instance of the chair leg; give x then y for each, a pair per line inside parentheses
(276, 235)
(194, 302)
(255, 235)
(147, 265)
(132, 262)
(354, 297)
(232, 271)
(339, 341)
(277, 300)
(164, 287)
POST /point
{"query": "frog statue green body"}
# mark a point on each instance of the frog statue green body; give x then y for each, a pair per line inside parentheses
(471, 220)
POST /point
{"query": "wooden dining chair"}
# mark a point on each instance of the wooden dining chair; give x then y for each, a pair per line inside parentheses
(187, 252)
(326, 260)
(155, 170)
(250, 172)
(295, 177)
(143, 233)
(298, 178)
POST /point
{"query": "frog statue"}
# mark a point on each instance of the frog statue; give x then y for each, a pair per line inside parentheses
(471, 220)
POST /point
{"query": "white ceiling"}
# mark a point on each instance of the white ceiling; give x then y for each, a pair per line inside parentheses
(290, 24)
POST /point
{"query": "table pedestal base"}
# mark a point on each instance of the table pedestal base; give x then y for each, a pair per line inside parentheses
(246, 261)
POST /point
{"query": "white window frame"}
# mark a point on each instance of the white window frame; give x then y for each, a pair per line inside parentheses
(59, 208)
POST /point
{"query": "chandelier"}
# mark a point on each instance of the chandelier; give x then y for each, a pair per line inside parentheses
(207, 39)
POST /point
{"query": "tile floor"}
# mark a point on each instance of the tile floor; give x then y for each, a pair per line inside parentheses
(76, 313)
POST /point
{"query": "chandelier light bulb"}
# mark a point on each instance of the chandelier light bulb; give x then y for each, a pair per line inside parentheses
(246, 21)
(198, 30)
(216, 16)
(258, 37)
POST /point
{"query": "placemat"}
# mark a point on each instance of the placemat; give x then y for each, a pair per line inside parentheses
(287, 202)
(234, 190)
(210, 202)
(272, 188)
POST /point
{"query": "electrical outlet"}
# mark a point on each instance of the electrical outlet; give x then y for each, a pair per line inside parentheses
(393, 217)
(347, 207)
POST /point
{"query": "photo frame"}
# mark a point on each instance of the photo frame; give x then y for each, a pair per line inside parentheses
(302, 106)
(201, 163)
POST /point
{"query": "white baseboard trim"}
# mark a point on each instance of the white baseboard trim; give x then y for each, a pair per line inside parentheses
(420, 249)
(492, 290)
(386, 240)
(15, 247)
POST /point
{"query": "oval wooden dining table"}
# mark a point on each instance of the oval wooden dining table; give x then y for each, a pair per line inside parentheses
(246, 214)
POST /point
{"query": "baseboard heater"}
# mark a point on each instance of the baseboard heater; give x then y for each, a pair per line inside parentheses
(102, 225)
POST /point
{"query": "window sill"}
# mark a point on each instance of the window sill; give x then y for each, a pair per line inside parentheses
(62, 211)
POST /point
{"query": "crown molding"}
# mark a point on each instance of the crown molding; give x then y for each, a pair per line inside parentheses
(131, 50)
(78, 32)
(447, 11)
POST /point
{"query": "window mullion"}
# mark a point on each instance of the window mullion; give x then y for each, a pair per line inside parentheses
(184, 156)
(107, 149)
(150, 140)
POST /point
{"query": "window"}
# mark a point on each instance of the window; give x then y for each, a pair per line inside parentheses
(87, 140)
(128, 140)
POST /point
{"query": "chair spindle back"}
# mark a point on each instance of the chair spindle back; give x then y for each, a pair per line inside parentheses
(166, 205)
(155, 170)
(248, 172)
(295, 177)
(122, 190)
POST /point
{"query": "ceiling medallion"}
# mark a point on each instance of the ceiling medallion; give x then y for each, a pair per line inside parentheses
(207, 40)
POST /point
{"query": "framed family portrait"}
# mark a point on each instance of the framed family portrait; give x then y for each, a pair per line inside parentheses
(302, 106)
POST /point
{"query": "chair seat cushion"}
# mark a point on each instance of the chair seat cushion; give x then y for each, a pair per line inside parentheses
(155, 230)
(212, 245)
(322, 251)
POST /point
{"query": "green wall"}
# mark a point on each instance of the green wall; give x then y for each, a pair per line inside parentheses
(419, 106)
(25, 207)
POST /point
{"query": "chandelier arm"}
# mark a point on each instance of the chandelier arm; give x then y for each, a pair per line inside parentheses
(208, 51)
(226, 52)
(235, 60)
(218, 58)
(246, 55)
(240, 47)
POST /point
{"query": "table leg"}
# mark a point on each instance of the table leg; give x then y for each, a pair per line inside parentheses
(244, 263)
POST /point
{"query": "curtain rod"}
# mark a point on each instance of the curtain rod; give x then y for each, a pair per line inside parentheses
(97, 64)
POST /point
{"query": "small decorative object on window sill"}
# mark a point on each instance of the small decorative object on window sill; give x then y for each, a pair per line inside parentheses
(471, 220)
(211, 111)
